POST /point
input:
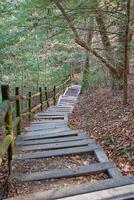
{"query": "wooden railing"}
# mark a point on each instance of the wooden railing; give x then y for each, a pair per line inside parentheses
(60, 89)
(10, 124)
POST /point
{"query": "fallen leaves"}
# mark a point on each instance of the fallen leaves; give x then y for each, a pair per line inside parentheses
(102, 116)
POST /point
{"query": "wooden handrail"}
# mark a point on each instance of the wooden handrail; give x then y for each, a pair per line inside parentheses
(8, 144)
(10, 126)
(18, 97)
(35, 108)
(61, 85)
(25, 114)
(35, 95)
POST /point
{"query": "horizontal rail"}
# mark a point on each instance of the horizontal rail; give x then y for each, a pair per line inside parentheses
(45, 102)
(18, 97)
(57, 94)
(62, 84)
(36, 108)
(35, 95)
(25, 114)
(12, 127)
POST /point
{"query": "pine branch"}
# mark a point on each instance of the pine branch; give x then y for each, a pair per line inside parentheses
(83, 43)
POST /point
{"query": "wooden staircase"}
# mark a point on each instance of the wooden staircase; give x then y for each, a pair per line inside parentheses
(49, 136)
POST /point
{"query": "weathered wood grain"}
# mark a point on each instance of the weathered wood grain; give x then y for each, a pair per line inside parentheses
(54, 145)
(57, 152)
(101, 157)
(78, 189)
(46, 135)
(66, 172)
(53, 140)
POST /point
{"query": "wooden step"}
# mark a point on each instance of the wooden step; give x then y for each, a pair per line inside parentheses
(60, 152)
(73, 190)
(66, 172)
(50, 117)
(53, 140)
(46, 135)
(47, 131)
(118, 193)
(47, 124)
(52, 108)
(83, 142)
(49, 127)
(50, 113)
(101, 157)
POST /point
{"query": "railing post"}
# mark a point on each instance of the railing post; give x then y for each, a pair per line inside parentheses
(41, 101)
(29, 104)
(70, 79)
(8, 124)
(63, 87)
(54, 95)
(18, 111)
(46, 97)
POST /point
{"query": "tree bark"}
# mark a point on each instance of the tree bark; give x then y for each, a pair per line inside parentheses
(87, 60)
(126, 59)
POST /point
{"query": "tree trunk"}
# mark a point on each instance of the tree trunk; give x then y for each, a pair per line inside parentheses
(87, 60)
(115, 81)
(126, 59)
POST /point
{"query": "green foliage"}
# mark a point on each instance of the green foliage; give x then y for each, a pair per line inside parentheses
(125, 151)
(94, 75)
(37, 45)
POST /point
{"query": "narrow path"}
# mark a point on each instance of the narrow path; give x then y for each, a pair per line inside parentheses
(43, 153)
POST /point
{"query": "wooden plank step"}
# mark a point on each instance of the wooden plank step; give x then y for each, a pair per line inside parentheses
(59, 109)
(50, 127)
(67, 106)
(70, 93)
(61, 133)
(119, 193)
(47, 124)
(47, 131)
(84, 142)
(55, 153)
(50, 117)
(67, 100)
(78, 189)
(101, 157)
(46, 113)
(62, 104)
(52, 140)
(66, 172)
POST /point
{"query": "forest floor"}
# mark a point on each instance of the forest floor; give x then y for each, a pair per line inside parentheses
(104, 119)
